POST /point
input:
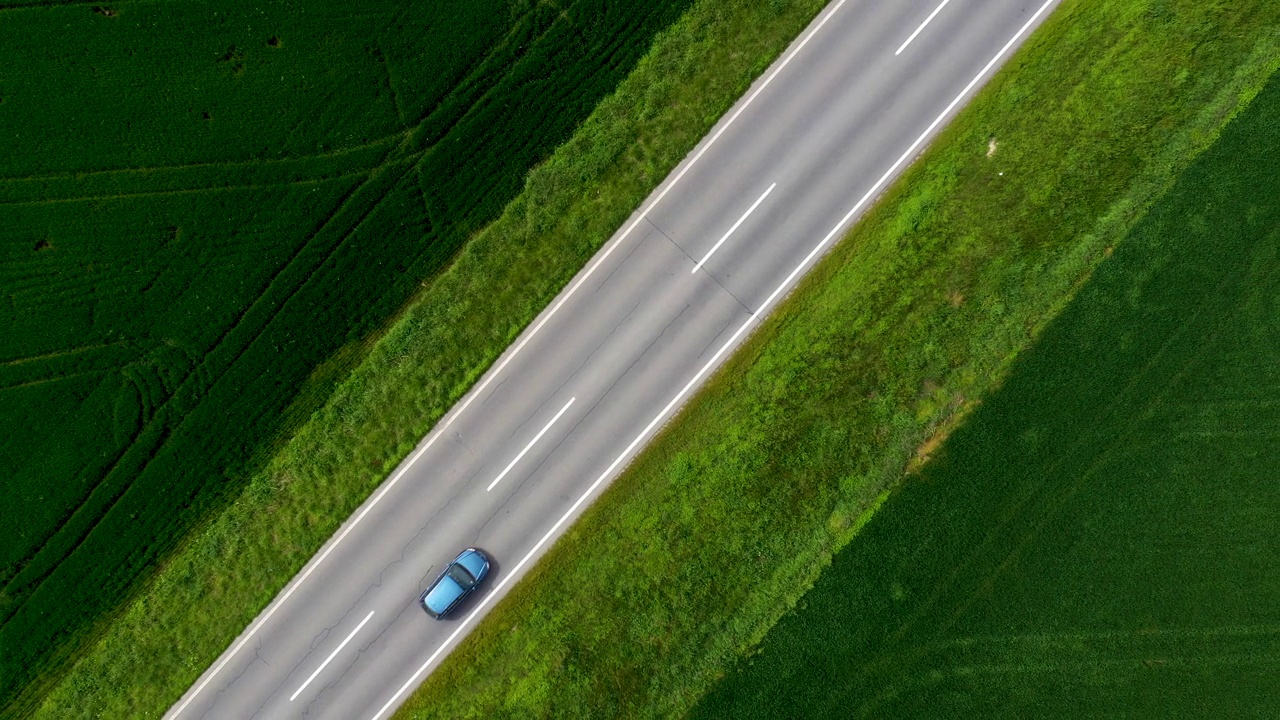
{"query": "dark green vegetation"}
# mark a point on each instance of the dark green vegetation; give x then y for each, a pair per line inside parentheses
(723, 523)
(1100, 539)
(212, 587)
(207, 209)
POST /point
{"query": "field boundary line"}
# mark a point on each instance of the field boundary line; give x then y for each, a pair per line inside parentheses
(185, 191)
(56, 378)
(77, 174)
(45, 4)
(59, 353)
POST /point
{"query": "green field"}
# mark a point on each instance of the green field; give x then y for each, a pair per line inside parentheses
(1100, 538)
(724, 522)
(205, 594)
(207, 211)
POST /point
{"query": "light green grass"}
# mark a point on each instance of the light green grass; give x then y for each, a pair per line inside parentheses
(1099, 539)
(219, 581)
(721, 525)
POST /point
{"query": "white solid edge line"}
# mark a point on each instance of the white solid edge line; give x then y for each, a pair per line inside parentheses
(917, 32)
(453, 415)
(759, 313)
(535, 439)
(745, 215)
(332, 655)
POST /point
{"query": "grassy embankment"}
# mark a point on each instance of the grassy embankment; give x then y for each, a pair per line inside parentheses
(729, 516)
(206, 594)
(1099, 539)
(207, 210)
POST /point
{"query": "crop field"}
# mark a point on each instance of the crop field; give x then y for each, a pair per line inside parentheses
(207, 211)
(1100, 538)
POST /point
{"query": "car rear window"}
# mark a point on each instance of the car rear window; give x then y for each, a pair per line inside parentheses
(461, 576)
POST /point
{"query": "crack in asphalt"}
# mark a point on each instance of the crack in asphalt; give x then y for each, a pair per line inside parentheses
(430, 520)
(537, 409)
(729, 325)
(360, 652)
(605, 341)
(626, 372)
(320, 637)
(622, 262)
(422, 581)
(257, 655)
(495, 389)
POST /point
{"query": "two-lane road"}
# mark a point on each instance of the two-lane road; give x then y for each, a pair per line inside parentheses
(663, 303)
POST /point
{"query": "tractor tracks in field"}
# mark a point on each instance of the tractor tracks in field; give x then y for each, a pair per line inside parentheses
(237, 339)
(390, 160)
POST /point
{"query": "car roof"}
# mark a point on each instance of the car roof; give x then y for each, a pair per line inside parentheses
(444, 594)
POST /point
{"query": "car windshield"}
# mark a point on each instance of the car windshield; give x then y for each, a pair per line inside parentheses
(461, 576)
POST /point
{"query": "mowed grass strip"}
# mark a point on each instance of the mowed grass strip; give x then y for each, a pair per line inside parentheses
(206, 594)
(1099, 539)
(721, 525)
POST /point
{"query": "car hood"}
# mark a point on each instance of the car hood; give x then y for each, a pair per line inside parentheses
(443, 595)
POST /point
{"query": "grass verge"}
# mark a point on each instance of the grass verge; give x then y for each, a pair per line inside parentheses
(215, 585)
(1097, 540)
(727, 518)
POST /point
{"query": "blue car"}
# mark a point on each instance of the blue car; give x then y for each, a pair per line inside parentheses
(457, 581)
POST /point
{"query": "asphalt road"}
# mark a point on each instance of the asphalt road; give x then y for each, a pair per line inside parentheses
(665, 301)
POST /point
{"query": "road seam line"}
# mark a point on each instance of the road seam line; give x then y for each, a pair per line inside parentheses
(742, 219)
